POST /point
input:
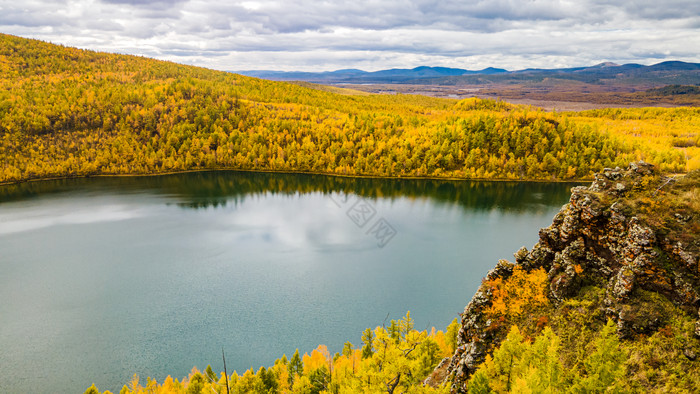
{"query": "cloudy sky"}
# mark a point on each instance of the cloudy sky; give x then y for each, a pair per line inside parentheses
(368, 34)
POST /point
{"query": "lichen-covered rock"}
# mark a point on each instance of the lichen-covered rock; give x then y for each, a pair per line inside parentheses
(564, 272)
(642, 168)
(690, 261)
(475, 338)
(596, 239)
(520, 255)
(623, 284)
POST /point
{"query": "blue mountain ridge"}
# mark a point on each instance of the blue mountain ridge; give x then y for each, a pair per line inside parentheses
(423, 73)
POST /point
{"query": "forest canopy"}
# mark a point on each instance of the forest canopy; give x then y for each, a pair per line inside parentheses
(68, 112)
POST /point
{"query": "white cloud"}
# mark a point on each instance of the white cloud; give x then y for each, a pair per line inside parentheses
(368, 34)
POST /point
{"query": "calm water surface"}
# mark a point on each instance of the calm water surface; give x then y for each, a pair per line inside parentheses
(106, 278)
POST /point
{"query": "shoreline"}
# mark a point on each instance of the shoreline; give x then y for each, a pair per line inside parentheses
(406, 177)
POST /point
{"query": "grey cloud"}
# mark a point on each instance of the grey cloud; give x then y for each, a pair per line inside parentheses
(299, 16)
(653, 9)
(500, 9)
(391, 33)
(169, 13)
(30, 13)
(190, 53)
(108, 26)
(10, 18)
(145, 4)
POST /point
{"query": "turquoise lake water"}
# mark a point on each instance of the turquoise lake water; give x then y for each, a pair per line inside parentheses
(105, 278)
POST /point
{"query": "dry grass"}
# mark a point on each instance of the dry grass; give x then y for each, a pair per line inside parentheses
(692, 198)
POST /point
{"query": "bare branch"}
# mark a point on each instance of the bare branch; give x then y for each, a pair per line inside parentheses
(391, 385)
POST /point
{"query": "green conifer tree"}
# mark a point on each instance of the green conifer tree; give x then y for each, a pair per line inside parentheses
(368, 340)
(295, 367)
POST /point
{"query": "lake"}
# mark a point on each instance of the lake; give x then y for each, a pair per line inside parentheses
(103, 278)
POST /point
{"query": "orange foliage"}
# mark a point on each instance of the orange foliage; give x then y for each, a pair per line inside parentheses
(522, 290)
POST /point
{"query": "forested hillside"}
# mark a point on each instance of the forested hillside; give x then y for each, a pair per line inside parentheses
(67, 112)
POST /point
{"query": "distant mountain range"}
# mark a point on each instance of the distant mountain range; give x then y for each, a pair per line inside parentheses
(665, 72)
(394, 75)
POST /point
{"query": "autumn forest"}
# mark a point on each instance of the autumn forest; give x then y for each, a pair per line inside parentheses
(66, 112)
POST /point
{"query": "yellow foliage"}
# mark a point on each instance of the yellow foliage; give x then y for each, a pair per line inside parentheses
(520, 291)
(693, 163)
(404, 361)
(319, 357)
(112, 114)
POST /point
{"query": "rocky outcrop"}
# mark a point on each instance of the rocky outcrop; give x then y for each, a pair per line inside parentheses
(597, 239)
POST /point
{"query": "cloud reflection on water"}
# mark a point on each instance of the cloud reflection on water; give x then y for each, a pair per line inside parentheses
(42, 216)
(287, 222)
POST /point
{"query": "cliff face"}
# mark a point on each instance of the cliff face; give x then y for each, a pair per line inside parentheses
(633, 234)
